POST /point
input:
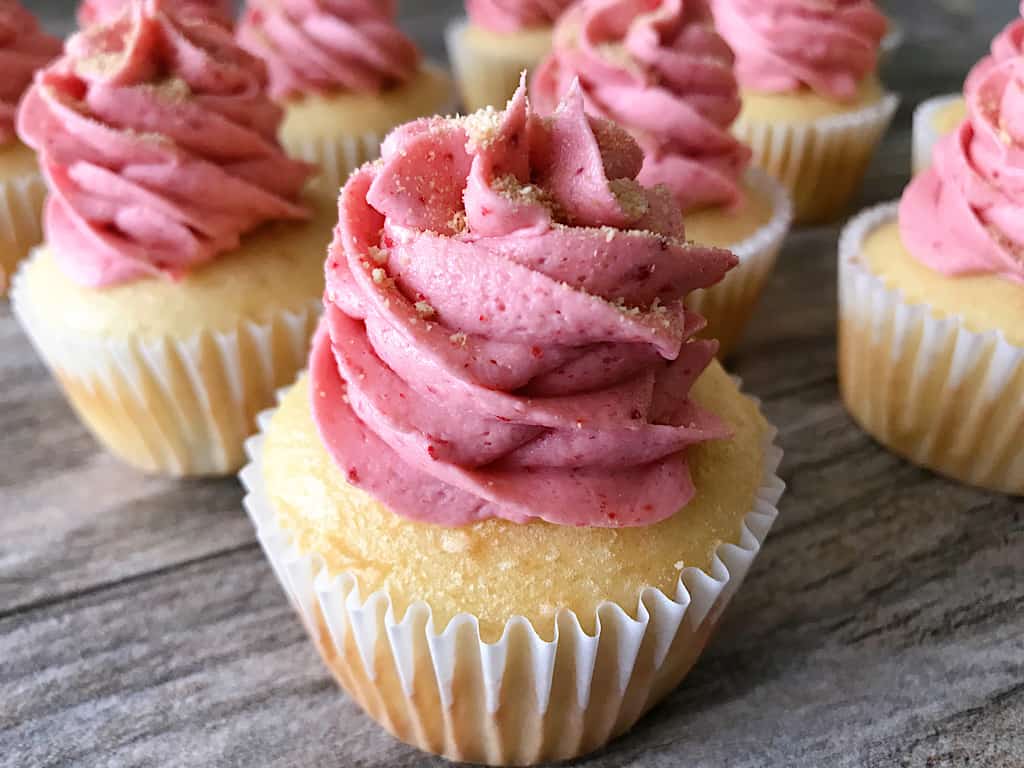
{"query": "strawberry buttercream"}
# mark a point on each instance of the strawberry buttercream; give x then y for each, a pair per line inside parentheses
(514, 15)
(24, 48)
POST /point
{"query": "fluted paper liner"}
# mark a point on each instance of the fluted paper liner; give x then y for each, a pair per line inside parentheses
(336, 157)
(483, 81)
(925, 385)
(176, 407)
(728, 306)
(926, 134)
(821, 162)
(21, 211)
(892, 42)
(520, 700)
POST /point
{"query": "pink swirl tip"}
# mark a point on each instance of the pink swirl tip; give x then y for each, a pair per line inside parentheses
(659, 69)
(506, 16)
(158, 143)
(506, 335)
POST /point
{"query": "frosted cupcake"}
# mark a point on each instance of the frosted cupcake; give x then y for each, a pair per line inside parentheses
(498, 41)
(179, 281)
(814, 109)
(942, 115)
(659, 69)
(104, 11)
(932, 299)
(24, 48)
(514, 494)
(345, 74)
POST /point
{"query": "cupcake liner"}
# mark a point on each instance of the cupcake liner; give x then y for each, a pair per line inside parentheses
(926, 386)
(338, 156)
(728, 306)
(483, 81)
(821, 163)
(892, 42)
(21, 212)
(521, 700)
(177, 407)
(926, 135)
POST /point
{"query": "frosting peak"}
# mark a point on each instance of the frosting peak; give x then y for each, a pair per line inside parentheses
(514, 15)
(659, 69)
(965, 214)
(320, 46)
(24, 48)
(158, 143)
(104, 11)
(787, 45)
(505, 332)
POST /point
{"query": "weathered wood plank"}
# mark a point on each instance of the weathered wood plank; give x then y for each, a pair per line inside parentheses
(883, 624)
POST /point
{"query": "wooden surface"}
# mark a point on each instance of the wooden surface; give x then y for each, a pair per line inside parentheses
(883, 625)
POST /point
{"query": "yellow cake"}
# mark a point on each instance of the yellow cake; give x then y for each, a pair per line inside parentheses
(488, 65)
(340, 131)
(935, 119)
(465, 570)
(818, 148)
(170, 375)
(22, 192)
(931, 365)
(754, 230)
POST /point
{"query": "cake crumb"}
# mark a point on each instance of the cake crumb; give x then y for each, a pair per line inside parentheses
(424, 309)
(378, 255)
(379, 276)
(459, 339)
(679, 565)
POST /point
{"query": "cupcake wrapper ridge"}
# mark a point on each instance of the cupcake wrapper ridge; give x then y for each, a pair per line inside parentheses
(170, 406)
(21, 212)
(930, 389)
(926, 135)
(892, 41)
(728, 306)
(821, 163)
(521, 700)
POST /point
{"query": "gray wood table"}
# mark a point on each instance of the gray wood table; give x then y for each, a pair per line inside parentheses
(883, 625)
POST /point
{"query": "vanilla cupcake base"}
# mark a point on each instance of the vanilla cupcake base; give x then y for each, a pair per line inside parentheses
(935, 119)
(508, 693)
(822, 161)
(728, 306)
(339, 133)
(22, 194)
(170, 377)
(921, 381)
(488, 66)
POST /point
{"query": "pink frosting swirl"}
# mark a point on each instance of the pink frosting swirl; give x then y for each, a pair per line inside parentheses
(157, 140)
(965, 214)
(505, 330)
(104, 11)
(24, 48)
(787, 45)
(514, 15)
(659, 69)
(322, 46)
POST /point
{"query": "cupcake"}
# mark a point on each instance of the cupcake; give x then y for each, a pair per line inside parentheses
(104, 11)
(498, 41)
(179, 280)
(942, 115)
(24, 48)
(814, 109)
(659, 70)
(514, 493)
(932, 299)
(345, 76)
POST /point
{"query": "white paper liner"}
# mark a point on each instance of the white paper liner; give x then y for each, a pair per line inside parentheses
(892, 41)
(21, 210)
(821, 163)
(727, 306)
(177, 407)
(926, 386)
(483, 82)
(926, 134)
(450, 675)
(338, 156)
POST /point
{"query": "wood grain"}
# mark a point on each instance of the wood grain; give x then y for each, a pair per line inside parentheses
(883, 624)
